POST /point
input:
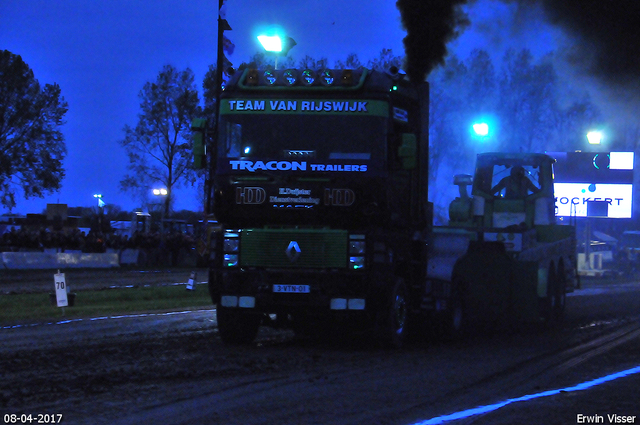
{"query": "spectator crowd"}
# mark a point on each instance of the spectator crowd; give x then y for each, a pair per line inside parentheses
(76, 240)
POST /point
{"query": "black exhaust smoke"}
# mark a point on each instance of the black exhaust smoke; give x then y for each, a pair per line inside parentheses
(430, 25)
(607, 34)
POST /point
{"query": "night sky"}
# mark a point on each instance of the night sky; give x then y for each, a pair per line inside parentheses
(101, 53)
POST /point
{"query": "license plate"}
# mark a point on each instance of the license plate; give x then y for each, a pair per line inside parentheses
(292, 289)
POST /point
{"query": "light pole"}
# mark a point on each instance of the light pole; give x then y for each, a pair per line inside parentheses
(223, 26)
(594, 137)
(98, 196)
(280, 46)
(163, 193)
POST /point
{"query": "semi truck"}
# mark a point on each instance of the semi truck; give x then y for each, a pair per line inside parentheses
(319, 181)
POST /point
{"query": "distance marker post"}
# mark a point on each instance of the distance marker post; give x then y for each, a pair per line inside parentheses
(61, 290)
(191, 284)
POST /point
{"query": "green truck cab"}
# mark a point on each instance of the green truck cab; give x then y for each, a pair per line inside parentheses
(317, 183)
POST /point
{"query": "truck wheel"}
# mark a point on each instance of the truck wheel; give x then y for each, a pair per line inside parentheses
(394, 319)
(237, 327)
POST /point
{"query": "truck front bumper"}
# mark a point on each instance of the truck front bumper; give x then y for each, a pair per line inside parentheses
(310, 291)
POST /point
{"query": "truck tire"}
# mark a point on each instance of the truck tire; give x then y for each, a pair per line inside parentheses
(393, 323)
(237, 327)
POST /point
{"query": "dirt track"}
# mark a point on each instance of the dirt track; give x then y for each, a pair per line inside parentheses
(173, 369)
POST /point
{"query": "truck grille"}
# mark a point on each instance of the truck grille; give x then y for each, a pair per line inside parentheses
(289, 248)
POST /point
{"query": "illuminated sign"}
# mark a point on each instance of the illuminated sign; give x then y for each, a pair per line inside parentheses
(593, 184)
(576, 199)
(252, 166)
(311, 106)
(292, 105)
(593, 167)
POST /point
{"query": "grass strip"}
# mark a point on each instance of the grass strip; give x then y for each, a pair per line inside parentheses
(25, 308)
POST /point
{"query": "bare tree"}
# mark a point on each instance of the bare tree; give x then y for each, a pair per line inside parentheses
(160, 145)
(352, 62)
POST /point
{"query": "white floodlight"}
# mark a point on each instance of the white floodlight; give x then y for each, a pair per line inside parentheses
(271, 43)
(481, 129)
(594, 137)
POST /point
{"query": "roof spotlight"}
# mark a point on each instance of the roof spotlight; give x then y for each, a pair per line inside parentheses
(347, 77)
(308, 77)
(252, 77)
(270, 77)
(326, 77)
(289, 76)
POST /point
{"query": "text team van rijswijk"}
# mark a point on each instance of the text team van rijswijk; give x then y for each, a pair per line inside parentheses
(292, 105)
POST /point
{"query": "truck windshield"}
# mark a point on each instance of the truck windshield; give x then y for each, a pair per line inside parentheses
(328, 138)
(494, 179)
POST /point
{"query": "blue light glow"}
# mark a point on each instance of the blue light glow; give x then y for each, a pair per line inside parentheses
(270, 77)
(327, 77)
(491, 407)
(290, 77)
(308, 77)
(481, 129)
(271, 43)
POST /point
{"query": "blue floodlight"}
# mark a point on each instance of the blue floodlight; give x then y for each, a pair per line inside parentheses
(276, 44)
(481, 129)
(271, 43)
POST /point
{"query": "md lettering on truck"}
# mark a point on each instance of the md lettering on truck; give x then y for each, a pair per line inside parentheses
(252, 166)
(339, 197)
(295, 105)
(250, 195)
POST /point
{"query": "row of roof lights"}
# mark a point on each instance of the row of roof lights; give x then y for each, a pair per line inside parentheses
(308, 77)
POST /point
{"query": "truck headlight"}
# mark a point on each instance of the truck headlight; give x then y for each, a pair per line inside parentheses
(230, 248)
(356, 263)
(230, 260)
(357, 251)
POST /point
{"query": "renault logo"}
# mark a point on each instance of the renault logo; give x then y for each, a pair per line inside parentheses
(293, 251)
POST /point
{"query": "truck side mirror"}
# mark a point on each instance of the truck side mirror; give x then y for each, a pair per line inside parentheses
(199, 128)
(408, 151)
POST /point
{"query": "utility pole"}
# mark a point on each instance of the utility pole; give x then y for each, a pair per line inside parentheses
(223, 26)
